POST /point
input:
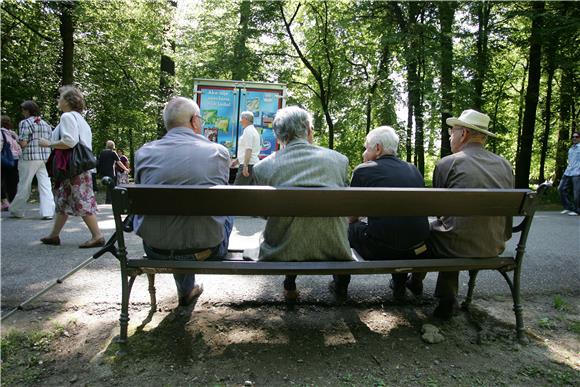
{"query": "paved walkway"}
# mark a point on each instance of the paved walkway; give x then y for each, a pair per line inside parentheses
(552, 266)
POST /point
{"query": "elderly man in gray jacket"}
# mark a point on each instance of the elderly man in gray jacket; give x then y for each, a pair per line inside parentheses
(301, 164)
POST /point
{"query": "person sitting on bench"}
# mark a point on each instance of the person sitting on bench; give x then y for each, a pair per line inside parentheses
(394, 237)
(302, 164)
(470, 166)
(183, 156)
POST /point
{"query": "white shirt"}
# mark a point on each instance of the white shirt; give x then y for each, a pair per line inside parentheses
(71, 127)
(250, 140)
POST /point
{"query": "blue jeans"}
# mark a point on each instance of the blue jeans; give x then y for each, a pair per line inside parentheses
(186, 282)
(566, 184)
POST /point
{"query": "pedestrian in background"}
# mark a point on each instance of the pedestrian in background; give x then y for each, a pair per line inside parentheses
(74, 196)
(571, 179)
(33, 162)
(9, 173)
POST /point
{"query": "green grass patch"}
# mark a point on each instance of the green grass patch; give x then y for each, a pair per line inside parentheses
(561, 304)
(22, 355)
(546, 323)
(574, 327)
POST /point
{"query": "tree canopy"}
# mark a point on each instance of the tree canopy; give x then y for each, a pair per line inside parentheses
(355, 64)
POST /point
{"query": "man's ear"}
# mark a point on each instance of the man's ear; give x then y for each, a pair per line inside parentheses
(378, 150)
(310, 134)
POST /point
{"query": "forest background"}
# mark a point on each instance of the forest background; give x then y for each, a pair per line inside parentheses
(355, 64)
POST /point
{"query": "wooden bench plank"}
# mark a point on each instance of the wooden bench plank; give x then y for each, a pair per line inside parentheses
(320, 268)
(311, 202)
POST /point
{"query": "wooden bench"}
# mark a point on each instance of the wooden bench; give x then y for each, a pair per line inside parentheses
(325, 202)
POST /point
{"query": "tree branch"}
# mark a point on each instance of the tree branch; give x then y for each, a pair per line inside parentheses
(43, 36)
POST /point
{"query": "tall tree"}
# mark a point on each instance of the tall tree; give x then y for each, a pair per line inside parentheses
(446, 15)
(323, 71)
(550, 54)
(483, 13)
(241, 68)
(67, 36)
(166, 65)
(532, 95)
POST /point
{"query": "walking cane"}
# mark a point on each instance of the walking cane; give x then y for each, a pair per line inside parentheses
(109, 247)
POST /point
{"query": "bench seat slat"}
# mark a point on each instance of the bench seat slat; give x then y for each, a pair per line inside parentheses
(319, 268)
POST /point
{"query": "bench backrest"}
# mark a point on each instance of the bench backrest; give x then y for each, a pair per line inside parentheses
(298, 201)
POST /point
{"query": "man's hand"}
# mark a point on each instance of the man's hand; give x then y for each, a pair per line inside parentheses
(44, 142)
(234, 163)
(246, 171)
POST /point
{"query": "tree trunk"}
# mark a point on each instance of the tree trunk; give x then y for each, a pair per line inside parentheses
(551, 66)
(67, 34)
(483, 11)
(240, 66)
(521, 111)
(532, 94)
(566, 97)
(408, 141)
(446, 15)
(167, 69)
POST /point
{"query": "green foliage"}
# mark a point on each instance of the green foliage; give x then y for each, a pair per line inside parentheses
(361, 50)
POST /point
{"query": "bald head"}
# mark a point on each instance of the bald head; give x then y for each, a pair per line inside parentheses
(178, 112)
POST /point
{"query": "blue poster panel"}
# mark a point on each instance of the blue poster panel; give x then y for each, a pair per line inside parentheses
(219, 111)
(264, 104)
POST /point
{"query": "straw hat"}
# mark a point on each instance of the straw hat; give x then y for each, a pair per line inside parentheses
(472, 119)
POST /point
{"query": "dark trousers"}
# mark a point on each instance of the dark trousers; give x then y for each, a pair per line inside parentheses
(372, 249)
(241, 179)
(108, 199)
(569, 188)
(341, 281)
(9, 182)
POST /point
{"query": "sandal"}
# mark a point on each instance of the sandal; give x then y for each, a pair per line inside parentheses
(93, 243)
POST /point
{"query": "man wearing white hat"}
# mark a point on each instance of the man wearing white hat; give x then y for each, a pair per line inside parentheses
(470, 166)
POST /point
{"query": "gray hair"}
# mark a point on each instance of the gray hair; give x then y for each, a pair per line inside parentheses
(385, 136)
(110, 144)
(178, 112)
(290, 123)
(249, 116)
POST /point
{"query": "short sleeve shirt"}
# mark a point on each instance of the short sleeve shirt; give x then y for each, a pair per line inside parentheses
(31, 130)
(250, 140)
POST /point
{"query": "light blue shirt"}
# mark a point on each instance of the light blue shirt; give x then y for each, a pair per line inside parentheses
(573, 161)
(181, 157)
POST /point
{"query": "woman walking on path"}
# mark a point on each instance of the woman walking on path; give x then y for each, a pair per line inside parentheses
(73, 196)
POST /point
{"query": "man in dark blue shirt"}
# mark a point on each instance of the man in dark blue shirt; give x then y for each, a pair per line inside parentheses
(394, 236)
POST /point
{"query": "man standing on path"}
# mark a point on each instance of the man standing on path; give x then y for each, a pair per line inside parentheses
(33, 163)
(248, 150)
(571, 179)
(183, 156)
(470, 166)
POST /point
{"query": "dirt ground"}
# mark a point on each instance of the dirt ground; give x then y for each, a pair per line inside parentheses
(376, 343)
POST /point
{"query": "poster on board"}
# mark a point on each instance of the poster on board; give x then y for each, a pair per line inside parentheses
(221, 103)
(219, 113)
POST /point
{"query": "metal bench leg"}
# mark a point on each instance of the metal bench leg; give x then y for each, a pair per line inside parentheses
(151, 279)
(126, 287)
(518, 309)
(471, 285)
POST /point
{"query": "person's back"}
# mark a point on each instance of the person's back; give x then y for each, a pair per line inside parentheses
(387, 237)
(300, 164)
(183, 157)
(472, 167)
(400, 232)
